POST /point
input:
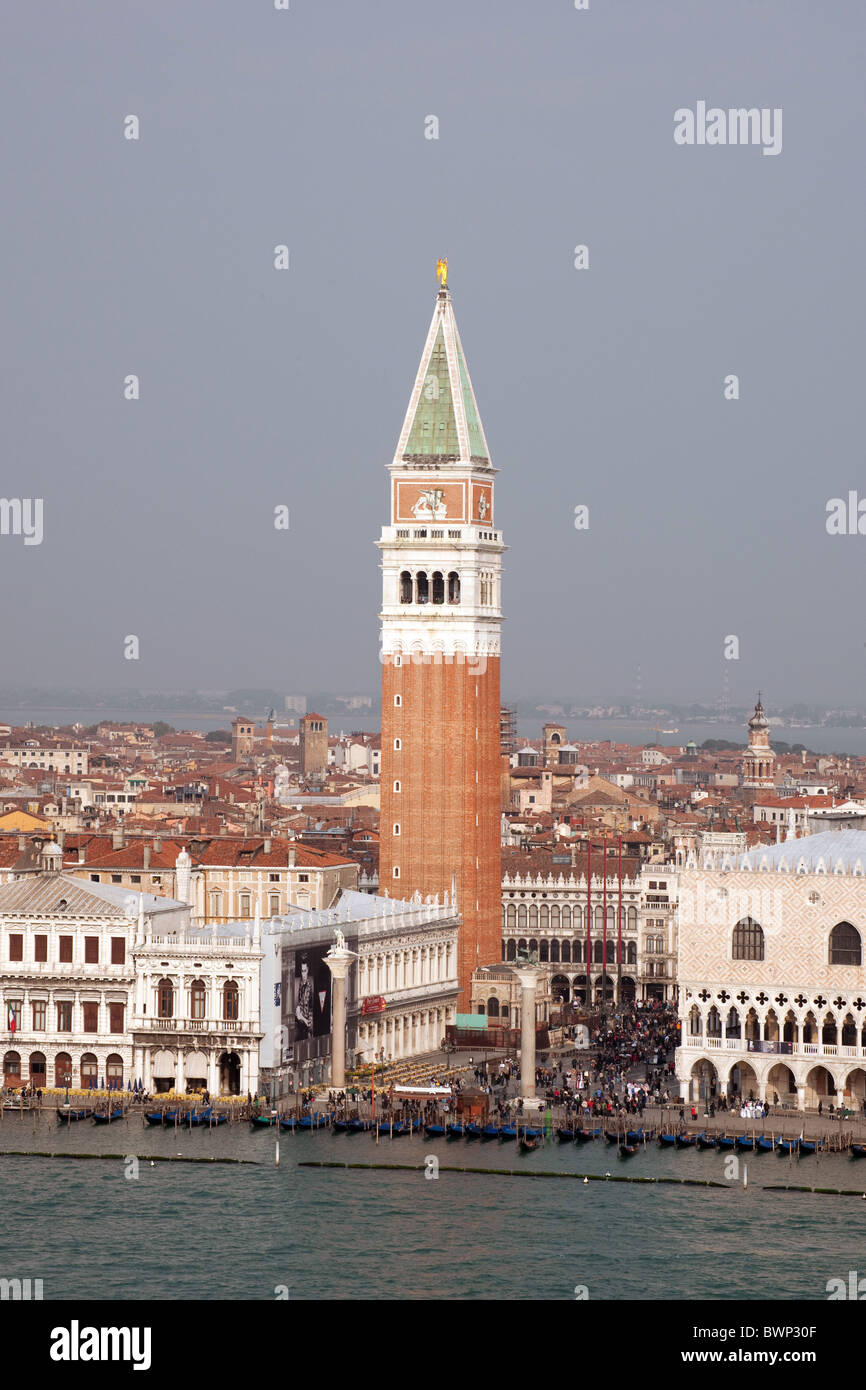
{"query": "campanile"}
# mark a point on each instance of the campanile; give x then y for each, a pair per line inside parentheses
(441, 626)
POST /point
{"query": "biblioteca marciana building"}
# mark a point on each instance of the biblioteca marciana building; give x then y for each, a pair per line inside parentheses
(103, 987)
(401, 989)
(772, 973)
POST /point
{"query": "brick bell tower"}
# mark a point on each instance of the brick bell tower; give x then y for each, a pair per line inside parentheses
(441, 627)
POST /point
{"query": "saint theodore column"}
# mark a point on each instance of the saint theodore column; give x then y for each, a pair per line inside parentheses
(338, 960)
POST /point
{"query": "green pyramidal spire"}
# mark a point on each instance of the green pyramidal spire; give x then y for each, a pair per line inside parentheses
(442, 423)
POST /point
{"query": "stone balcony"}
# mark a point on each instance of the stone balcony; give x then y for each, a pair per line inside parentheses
(204, 1026)
(797, 1049)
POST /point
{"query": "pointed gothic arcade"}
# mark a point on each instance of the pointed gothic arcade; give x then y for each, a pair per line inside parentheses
(441, 623)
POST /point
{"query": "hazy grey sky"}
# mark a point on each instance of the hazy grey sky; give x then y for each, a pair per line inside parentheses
(602, 386)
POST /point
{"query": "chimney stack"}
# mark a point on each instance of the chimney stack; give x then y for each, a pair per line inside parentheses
(147, 856)
(117, 840)
(268, 843)
(81, 854)
(293, 858)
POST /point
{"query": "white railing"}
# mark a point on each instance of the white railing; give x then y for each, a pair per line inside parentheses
(696, 1040)
(192, 1025)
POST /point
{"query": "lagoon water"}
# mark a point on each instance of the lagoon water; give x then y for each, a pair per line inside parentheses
(196, 1231)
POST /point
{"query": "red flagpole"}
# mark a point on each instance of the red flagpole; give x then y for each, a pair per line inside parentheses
(588, 920)
(604, 914)
(619, 930)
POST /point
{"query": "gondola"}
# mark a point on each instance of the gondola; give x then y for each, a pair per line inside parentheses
(508, 1132)
(627, 1150)
(686, 1141)
(341, 1126)
(313, 1121)
(858, 1150)
(217, 1120)
(583, 1136)
(611, 1137)
(473, 1131)
(808, 1146)
(401, 1129)
(490, 1132)
(262, 1121)
(726, 1141)
(765, 1145)
(358, 1126)
(787, 1146)
(106, 1118)
(529, 1143)
(196, 1118)
(288, 1122)
(637, 1136)
(435, 1131)
(158, 1117)
(745, 1143)
(565, 1135)
(533, 1133)
(707, 1141)
(667, 1141)
(455, 1131)
(71, 1115)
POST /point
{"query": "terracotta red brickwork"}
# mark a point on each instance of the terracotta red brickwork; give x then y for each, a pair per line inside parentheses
(448, 804)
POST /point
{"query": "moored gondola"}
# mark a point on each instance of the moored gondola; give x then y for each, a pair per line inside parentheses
(314, 1122)
(473, 1131)
(746, 1143)
(667, 1141)
(858, 1150)
(565, 1135)
(686, 1141)
(71, 1115)
(529, 1143)
(726, 1141)
(359, 1126)
(262, 1121)
(196, 1118)
(341, 1126)
(508, 1132)
(435, 1131)
(707, 1141)
(490, 1132)
(159, 1117)
(808, 1146)
(763, 1145)
(106, 1116)
(628, 1150)
(455, 1131)
(787, 1146)
(583, 1136)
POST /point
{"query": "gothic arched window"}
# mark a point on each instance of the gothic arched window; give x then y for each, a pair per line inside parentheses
(748, 942)
(845, 945)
